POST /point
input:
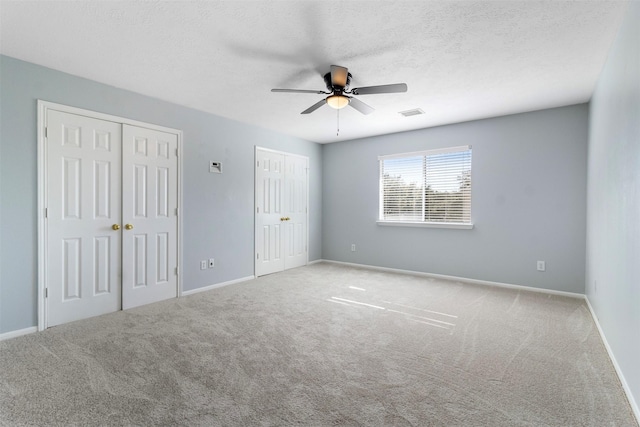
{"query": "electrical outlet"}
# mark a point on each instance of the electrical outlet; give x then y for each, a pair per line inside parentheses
(353, 247)
(212, 262)
(541, 266)
(203, 264)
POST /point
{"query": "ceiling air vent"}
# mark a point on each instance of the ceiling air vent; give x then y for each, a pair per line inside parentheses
(414, 112)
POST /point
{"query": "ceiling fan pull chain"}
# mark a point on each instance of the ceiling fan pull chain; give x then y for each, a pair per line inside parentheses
(338, 123)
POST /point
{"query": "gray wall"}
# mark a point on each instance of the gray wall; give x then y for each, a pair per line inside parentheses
(218, 209)
(528, 202)
(613, 226)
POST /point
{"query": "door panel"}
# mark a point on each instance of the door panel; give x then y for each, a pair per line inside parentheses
(149, 206)
(296, 211)
(269, 212)
(83, 194)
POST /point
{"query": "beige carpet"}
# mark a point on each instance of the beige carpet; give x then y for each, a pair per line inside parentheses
(323, 345)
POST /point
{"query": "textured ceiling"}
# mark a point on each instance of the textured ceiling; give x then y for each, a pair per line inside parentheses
(461, 60)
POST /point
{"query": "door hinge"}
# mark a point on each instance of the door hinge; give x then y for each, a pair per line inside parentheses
(258, 164)
(46, 213)
(258, 209)
(177, 152)
(257, 256)
(176, 271)
(46, 132)
(46, 292)
(177, 211)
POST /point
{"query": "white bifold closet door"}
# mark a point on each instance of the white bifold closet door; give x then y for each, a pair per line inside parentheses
(281, 218)
(111, 224)
(149, 215)
(83, 260)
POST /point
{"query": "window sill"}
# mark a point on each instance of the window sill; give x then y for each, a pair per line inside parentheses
(426, 224)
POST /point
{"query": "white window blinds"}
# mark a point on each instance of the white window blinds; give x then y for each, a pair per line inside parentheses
(428, 186)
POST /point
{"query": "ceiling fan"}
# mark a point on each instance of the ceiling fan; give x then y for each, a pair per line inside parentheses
(337, 81)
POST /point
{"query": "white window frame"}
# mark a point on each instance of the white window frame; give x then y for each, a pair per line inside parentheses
(405, 223)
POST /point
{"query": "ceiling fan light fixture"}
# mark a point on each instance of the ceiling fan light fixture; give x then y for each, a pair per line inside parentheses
(337, 101)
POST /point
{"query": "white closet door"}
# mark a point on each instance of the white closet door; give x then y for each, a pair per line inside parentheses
(296, 169)
(149, 210)
(270, 216)
(83, 194)
(281, 211)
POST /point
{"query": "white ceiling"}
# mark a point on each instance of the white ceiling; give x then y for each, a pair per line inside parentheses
(461, 60)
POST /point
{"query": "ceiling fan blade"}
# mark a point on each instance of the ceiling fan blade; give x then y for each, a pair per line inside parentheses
(361, 106)
(368, 90)
(319, 92)
(339, 75)
(314, 107)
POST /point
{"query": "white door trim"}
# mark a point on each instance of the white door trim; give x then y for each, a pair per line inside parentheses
(43, 108)
(255, 184)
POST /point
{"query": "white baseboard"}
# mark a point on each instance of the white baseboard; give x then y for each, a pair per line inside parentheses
(317, 261)
(217, 285)
(18, 333)
(459, 279)
(623, 381)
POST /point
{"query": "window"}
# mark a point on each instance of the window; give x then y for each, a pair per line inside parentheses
(430, 188)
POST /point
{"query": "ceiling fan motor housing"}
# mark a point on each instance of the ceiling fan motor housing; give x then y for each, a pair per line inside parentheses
(331, 87)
